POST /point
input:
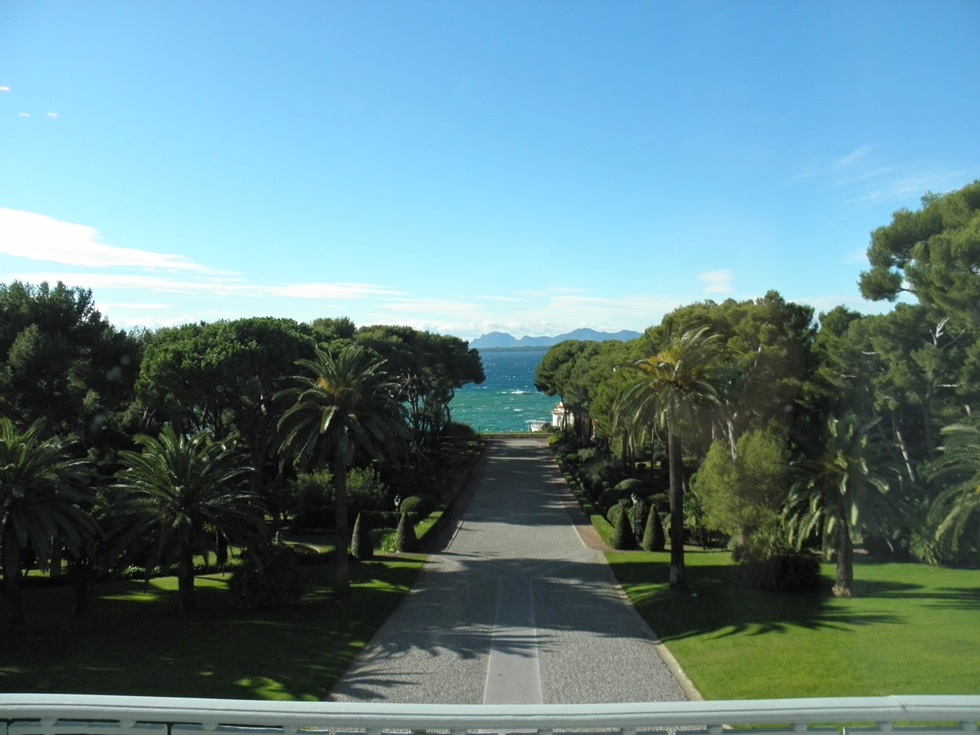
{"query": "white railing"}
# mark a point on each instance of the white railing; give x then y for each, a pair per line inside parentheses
(56, 714)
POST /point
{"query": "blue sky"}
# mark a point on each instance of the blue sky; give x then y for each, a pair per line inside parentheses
(464, 167)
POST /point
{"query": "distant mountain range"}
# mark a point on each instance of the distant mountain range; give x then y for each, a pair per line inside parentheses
(502, 340)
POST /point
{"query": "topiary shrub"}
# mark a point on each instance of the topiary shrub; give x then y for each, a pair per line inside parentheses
(613, 514)
(623, 537)
(268, 577)
(654, 538)
(362, 545)
(630, 485)
(405, 538)
(420, 505)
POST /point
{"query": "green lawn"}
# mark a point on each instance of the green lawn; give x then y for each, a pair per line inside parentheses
(133, 641)
(911, 629)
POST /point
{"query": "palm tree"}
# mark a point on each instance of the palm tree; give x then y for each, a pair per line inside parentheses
(840, 490)
(678, 389)
(957, 507)
(344, 404)
(42, 503)
(177, 491)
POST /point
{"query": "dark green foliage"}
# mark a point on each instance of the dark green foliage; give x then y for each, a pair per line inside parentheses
(421, 505)
(654, 538)
(268, 577)
(405, 538)
(623, 537)
(361, 546)
(778, 570)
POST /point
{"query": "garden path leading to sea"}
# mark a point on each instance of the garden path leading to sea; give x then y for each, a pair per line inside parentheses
(519, 607)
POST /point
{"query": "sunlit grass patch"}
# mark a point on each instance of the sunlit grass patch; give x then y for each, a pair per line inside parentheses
(909, 630)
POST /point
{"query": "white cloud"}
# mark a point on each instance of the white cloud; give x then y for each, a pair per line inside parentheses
(324, 291)
(717, 281)
(37, 237)
(4, 89)
(852, 157)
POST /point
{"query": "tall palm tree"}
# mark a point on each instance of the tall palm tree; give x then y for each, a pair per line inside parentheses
(42, 503)
(678, 389)
(176, 492)
(957, 508)
(344, 404)
(841, 489)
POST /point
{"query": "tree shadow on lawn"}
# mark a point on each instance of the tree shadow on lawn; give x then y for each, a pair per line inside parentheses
(135, 642)
(719, 604)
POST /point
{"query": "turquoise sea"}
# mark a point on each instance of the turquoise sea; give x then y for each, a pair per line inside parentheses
(507, 400)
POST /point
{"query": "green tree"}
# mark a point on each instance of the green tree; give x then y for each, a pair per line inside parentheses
(841, 490)
(678, 391)
(428, 369)
(934, 254)
(956, 509)
(42, 503)
(741, 493)
(62, 361)
(345, 403)
(176, 492)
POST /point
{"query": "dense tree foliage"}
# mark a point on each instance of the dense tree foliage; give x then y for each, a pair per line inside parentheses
(933, 254)
(61, 361)
(676, 392)
(43, 505)
(344, 403)
(175, 492)
(428, 368)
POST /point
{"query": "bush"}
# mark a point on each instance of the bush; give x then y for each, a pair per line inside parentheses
(623, 537)
(362, 545)
(654, 537)
(783, 570)
(420, 505)
(767, 562)
(613, 514)
(405, 538)
(631, 485)
(268, 577)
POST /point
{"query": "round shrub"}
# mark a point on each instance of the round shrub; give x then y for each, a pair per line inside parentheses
(629, 486)
(778, 570)
(420, 505)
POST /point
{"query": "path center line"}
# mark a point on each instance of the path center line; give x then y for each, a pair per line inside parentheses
(513, 676)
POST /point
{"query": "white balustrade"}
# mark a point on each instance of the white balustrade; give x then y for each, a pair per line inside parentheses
(70, 714)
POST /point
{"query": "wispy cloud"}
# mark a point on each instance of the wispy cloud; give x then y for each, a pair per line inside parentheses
(866, 177)
(37, 237)
(717, 281)
(851, 158)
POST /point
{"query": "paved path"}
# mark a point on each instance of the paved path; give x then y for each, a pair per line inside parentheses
(517, 610)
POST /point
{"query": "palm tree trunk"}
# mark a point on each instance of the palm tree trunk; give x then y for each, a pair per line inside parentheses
(678, 579)
(845, 559)
(341, 532)
(13, 611)
(185, 580)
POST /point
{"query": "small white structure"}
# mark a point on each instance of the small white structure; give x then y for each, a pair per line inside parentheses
(560, 418)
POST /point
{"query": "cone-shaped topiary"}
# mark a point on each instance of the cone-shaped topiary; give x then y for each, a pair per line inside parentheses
(405, 538)
(623, 537)
(654, 538)
(361, 546)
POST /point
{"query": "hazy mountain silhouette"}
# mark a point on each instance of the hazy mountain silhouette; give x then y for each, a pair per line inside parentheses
(497, 340)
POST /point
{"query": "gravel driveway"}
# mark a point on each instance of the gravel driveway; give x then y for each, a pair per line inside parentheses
(518, 609)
